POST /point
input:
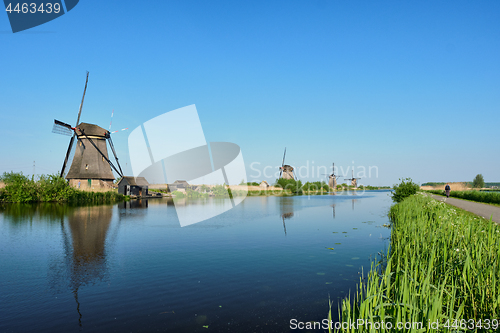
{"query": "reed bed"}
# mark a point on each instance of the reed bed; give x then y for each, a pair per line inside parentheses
(49, 188)
(478, 196)
(442, 274)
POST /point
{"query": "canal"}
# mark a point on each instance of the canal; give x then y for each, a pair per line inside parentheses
(132, 267)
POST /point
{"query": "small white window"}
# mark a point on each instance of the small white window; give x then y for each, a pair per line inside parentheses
(86, 166)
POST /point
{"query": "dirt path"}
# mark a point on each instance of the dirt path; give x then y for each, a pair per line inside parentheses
(477, 208)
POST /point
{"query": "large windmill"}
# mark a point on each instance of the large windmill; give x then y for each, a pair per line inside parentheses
(332, 179)
(91, 167)
(354, 181)
(286, 171)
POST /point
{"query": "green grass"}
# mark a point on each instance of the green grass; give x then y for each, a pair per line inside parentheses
(477, 196)
(443, 264)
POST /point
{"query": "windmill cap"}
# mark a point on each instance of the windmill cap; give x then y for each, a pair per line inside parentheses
(91, 130)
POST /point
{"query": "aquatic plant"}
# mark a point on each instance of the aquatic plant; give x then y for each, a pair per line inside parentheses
(442, 273)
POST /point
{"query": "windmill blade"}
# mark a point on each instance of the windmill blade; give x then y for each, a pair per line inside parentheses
(112, 112)
(77, 122)
(282, 163)
(67, 154)
(124, 129)
(62, 128)
(114, 153)
(83, 98)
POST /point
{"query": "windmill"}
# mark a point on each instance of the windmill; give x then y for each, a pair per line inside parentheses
(91, 166)
(332, 179)
(354, 181)
(286, 171)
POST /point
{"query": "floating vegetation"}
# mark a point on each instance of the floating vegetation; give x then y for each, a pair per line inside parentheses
(320, 273)
(349, 265)
(330, 248)
(335, 232)
(344, 232)
(355, 228)
(337, 243)
(355, 258)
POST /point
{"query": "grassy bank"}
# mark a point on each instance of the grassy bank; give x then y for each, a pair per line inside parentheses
(49, 188)
(477, 196)
(443, 265)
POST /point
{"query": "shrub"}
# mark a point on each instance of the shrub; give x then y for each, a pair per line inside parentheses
(316, 186)
(292, 185)
(403, 190)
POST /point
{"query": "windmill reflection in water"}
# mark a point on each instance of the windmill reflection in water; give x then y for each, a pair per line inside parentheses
(85, 232)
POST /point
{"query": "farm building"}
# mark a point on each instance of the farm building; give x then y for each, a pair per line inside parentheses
(133, 186)
(178, 185)
(264, 184)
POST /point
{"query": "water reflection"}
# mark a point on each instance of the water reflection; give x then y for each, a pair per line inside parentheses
(286, 209)
(84, 239)
(286, 216)
(141, 203)
(18, 213)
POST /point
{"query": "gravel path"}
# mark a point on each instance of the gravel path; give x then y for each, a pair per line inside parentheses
(477, 208)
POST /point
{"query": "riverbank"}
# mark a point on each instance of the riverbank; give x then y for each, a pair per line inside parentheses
(442, 269)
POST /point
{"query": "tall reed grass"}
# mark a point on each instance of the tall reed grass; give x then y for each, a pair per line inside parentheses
(443, 265)
(49, 188)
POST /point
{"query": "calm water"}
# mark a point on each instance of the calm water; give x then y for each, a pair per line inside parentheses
(131, 267)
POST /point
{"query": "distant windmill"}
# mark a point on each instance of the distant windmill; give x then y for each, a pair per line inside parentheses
(91, 166)
(354, 181)
(286, 171)
(332, 179)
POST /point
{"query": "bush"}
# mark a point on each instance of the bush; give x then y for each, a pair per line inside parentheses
(403, 190)
(316, 186)
(292, 185)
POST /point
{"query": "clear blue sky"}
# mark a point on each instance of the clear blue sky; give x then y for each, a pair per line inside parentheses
(412, 87)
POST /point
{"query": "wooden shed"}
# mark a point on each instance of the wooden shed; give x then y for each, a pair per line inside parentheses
(264, 184)
(137, 186)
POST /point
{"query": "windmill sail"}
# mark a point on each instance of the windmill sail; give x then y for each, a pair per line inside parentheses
(74, 134)
(62, 128)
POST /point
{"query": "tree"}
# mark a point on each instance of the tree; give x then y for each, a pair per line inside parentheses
(478, 182)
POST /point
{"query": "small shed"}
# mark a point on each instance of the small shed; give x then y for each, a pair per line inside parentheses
(178, 185)
(264, 184)
(133, 186)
